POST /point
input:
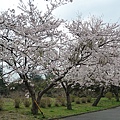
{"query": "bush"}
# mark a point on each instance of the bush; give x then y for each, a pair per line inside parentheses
(45, 102)
(17, 102)
(57, 103)
(77, 100)
(1, 104)
(48, 100)
(108, 95)
(61, 100)
(27, 102)
(72, 97)
(83, 99)
(89, 99)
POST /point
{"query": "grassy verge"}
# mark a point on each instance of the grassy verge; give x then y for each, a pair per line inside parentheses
(52, 112)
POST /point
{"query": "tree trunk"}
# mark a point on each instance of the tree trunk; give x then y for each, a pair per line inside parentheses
(99, 97)
(117, 97)
(34, 108)
(69, 106)
(115, 91)
(67, 87)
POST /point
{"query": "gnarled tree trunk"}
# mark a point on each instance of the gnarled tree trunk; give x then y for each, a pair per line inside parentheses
(34, 108)
(99, 97)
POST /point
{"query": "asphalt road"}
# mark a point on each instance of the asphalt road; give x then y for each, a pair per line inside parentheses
(110, 114)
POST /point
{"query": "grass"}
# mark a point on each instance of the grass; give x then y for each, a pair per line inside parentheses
(22, 113)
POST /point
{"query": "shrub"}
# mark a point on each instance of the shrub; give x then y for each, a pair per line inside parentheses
(57, 103)
(89, 99)
(108, 95)
(83, 100)
(72, 97)
(77, 100)
(48, 100)
(61, 100)
(45, 102)
(1, 104)
(27, 102)
(17, 102)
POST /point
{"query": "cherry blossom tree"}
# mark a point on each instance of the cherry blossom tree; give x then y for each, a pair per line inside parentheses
(30, 42)
(90, 52)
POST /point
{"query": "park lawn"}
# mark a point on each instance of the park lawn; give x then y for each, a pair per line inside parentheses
(22, 113)
(58, 112)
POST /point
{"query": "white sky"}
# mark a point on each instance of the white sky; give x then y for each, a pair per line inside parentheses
(108, 9)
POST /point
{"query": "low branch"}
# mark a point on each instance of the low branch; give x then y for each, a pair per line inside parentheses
(54, 82)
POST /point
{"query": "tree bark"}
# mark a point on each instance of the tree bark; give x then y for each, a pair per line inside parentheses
(117, 97)
(34, 108)
(69, 106)
(66, 87)
(116, 91)
(99, 97)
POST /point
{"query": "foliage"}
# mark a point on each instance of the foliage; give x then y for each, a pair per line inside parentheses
(17, 102)
(57, 103)
(45, 102)
(89, 99)
(27, 102)
(61, 100)
(77, 100)
(72, 97)
(83, 99)
(49, 102)
(109, 95)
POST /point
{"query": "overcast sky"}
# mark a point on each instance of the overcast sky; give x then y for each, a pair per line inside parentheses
(107, 9)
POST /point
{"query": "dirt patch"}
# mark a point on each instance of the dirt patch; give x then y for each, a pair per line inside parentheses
(5, 115)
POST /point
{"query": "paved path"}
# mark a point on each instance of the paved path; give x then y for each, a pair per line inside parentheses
(110, 114)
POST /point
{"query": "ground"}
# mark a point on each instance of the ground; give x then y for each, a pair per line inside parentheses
(6, 115)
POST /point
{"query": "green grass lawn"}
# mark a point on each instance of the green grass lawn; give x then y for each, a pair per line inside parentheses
(22, 113)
